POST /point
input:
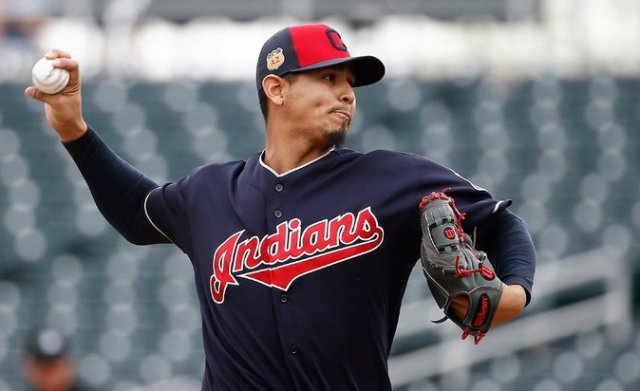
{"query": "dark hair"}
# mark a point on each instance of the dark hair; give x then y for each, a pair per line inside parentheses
(262, 100)
(262, 97)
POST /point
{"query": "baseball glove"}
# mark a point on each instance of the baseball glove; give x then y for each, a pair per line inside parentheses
(453, 268)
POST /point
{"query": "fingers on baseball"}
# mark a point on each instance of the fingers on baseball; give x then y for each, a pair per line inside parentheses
(65, 63)
(57, 53)
(63, 60)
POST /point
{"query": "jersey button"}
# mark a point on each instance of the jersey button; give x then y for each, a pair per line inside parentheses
(279, 187)
(284, 297)
(277, 213)
(293, 349)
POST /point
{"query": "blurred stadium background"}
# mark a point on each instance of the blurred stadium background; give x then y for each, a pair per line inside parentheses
(536, 100)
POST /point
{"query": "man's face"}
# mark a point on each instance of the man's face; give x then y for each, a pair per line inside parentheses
(321, 103)
(51, 375)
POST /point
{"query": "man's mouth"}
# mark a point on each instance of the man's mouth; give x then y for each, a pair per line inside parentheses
(344, 114)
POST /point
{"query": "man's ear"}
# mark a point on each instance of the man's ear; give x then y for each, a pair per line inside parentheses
(274, 88)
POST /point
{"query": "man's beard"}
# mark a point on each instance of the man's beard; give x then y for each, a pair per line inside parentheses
(336, 138)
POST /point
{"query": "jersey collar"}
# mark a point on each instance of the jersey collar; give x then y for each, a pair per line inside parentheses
(271, 170)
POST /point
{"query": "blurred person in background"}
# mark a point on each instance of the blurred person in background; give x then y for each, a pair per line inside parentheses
(48, 365)
(20, 23)
(21, 20)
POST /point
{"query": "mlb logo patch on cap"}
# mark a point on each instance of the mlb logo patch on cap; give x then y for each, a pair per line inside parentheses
(275, 59)
(303, 48)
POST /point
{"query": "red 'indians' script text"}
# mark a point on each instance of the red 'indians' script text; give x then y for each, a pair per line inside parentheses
(292, 252)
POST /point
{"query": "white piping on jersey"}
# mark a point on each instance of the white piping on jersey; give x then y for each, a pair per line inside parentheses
(495, 208)
(149, 218)
(471, 183)
(263, 164)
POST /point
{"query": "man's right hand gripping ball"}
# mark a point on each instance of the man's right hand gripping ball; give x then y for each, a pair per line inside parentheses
(454, 269)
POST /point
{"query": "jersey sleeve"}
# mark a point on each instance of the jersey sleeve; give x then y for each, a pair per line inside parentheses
(165, 207)
(474, 201)
(118, 189)
(477, 203)
(508, 243)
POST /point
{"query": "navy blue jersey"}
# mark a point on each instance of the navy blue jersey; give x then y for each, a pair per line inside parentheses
(300, 276)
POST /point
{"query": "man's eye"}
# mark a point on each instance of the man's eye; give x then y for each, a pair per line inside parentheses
(329, 77)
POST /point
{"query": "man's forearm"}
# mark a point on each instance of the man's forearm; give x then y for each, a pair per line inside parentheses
(511, 304)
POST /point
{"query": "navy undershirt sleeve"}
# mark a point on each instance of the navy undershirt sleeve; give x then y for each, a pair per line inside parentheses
(508, 244)
(118, 189)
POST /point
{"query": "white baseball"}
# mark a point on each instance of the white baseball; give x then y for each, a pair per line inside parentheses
(48, 79)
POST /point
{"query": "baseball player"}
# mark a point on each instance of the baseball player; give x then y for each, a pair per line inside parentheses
(301, 253)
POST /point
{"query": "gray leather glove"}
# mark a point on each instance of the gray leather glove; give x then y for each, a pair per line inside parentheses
(454, 268)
